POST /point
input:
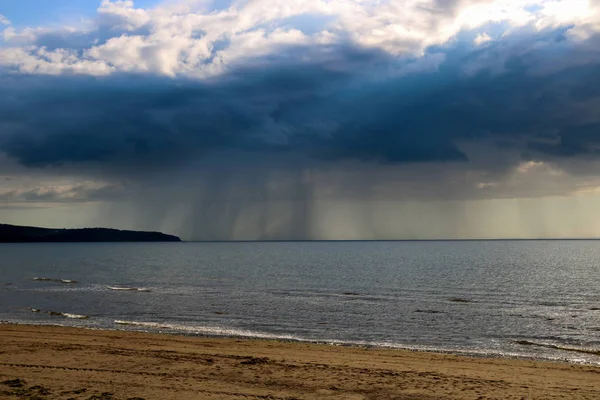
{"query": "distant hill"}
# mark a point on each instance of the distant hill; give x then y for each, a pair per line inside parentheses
(17, 234)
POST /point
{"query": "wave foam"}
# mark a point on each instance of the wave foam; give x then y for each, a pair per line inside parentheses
(66, 315)
(233, 332)
(129, 289)
(74, 316)
(209, 330)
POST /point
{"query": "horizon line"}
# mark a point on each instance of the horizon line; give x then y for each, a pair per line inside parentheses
(388, 240)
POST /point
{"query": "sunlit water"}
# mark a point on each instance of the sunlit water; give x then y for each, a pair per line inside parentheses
(536, 299)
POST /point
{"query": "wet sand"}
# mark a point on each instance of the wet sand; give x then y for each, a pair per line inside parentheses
(45, 362)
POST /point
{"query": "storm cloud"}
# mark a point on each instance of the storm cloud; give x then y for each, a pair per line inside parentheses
(249, 117)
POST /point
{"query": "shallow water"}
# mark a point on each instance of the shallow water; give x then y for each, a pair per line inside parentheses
(536, 299)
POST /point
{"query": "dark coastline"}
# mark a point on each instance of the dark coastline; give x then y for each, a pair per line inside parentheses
(29, 234)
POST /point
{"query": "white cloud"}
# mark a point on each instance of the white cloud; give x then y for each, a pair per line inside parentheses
(482, 38)
(192, 39)
(121, 14)
(4, 20)
(32, 60)
(16, 38)
(557, 12)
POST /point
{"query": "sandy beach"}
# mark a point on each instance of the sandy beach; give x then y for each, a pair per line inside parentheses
(47, 362)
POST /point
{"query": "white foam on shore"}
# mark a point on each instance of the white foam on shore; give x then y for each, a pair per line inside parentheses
(208, 330)
(242, 333)
(215, 331)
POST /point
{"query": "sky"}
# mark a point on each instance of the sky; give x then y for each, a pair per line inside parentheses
(303, 119)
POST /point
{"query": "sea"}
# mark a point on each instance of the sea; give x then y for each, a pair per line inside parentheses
(525, 299)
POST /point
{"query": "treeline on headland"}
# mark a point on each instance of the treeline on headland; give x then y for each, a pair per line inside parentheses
(20, 234)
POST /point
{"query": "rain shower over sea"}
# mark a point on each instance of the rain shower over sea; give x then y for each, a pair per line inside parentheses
(532, 299)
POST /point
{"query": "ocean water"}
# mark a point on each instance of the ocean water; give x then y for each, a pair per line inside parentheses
(538, 299)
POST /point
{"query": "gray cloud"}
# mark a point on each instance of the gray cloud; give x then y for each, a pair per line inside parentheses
(259, 147)
(312, 109)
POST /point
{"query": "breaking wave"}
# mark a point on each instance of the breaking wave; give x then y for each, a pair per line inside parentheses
(129, 289)
(65, 315)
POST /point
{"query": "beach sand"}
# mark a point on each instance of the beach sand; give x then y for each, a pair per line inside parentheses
(46, 362)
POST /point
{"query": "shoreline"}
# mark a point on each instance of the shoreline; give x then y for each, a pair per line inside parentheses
(129, 364)
(339, 343)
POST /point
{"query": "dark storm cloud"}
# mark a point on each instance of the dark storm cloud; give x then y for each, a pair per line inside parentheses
(573, 141)
(329, 109)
